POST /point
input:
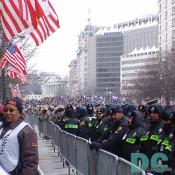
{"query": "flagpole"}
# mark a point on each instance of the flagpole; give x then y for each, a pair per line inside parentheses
(2, 70)
(3, 87)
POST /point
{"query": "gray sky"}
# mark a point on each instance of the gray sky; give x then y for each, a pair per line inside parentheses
(55, 54)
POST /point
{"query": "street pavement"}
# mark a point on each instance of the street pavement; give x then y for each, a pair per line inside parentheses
(49, 162)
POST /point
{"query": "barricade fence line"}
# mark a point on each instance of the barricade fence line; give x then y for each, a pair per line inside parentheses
(75, 151)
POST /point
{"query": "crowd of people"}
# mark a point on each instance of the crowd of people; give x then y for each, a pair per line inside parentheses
(119, 129)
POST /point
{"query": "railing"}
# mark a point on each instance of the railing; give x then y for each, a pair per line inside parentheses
(76, 152)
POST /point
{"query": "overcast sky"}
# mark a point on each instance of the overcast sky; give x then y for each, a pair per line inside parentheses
(55, 54)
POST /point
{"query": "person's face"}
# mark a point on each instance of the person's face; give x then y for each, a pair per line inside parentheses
(130, 119)
(11, 113)
(154, 116)
(100, 115)
(117, 116)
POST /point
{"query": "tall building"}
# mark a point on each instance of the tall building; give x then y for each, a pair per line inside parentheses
(166, 25)
(138, 61)
(83, 59)
(73, 78)
(100, 49)
(109, 46)
(139, 33)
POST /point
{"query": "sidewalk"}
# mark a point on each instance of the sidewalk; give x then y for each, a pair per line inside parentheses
(49, 162)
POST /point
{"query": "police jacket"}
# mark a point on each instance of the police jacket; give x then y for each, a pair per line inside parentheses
(167, 146)
(131, 140)
(71, 125)
(113, 143)
(100, 128)
(25, 140)
(151, 138)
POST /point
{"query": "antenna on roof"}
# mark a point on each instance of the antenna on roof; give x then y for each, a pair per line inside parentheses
(89, 22)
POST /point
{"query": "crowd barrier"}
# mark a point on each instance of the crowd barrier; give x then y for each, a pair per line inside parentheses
(76, 152)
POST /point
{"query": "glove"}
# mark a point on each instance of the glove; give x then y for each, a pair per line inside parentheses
(94, 146)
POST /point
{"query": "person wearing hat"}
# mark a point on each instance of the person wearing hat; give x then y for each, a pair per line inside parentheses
(153, 134)
(18, 141)
(112, 139)
(101, 125)
(131, 141)
(167, 145)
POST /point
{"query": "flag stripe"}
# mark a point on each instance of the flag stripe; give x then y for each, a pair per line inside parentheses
(10, 18)
(48, 22)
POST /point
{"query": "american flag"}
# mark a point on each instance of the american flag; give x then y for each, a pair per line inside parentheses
(15, 58)
(14, 73)
(47, 23)
(3, 63)
(11, 19)
(15, 91)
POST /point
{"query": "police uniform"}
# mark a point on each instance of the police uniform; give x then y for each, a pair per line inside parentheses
(71, 123)
(131, 140)
(102, 124)
(113, 141)
(153, 134)
(167, 145)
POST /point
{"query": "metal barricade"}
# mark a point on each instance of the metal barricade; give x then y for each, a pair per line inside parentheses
(76, 151)
(108, 161)
(64, 144)
(82, 156)
(72, 150)
(126, 168)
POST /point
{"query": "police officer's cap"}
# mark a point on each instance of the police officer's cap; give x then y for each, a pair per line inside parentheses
(143, 108)
(155, 108)
(131, 114)
(69, 106)
(114, 110)
(102, 110)
(89, 106)
(168, 114)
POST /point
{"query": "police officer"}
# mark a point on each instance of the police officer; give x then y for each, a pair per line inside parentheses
(167, 145)
(131, 140)
(71, 122)
(112, 139)
(101, 125)
(144, 110)
(85, 123)
(153, 134)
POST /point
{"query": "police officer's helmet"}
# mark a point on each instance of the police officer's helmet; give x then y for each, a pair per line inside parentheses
(155, 108)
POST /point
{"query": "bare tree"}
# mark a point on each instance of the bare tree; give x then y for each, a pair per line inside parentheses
(158, 80)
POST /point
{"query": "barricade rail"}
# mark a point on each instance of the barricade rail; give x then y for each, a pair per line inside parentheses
(76, 152)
